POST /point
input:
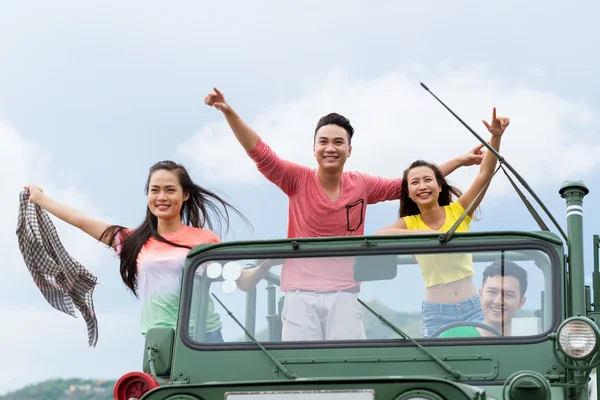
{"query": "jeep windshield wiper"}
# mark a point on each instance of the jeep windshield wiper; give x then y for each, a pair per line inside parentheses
(283, 369)
(453, 371)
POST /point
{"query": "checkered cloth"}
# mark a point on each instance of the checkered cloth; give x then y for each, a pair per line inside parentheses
(63, 281)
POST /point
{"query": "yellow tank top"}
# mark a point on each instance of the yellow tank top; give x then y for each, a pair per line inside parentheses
(444, 268)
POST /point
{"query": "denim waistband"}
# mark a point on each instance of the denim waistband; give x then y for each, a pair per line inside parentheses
(474, 301)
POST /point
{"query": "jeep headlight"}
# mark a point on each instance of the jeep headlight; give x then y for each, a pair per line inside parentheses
(578, 338)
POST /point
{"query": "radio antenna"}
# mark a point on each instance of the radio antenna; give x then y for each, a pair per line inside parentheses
(503, 160)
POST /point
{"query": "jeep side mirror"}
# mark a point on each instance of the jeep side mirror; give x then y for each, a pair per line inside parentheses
(158, 351)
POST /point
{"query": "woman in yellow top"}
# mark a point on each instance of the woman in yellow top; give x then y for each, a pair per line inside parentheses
(426, 206)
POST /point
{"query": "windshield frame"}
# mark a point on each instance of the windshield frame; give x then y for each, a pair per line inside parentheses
(362, 247)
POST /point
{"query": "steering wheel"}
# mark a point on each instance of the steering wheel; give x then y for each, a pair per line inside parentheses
(466, 323)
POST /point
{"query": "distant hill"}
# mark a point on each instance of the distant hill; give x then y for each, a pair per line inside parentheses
(65, 389)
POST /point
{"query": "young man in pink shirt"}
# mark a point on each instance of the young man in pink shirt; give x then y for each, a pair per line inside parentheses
(320, 294)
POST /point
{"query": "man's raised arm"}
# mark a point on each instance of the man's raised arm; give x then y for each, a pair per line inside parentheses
(285, 174)
(472, 157)
(244, 134)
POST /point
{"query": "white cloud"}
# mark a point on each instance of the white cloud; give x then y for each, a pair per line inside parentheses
(26, 163)
(397, 121)
(44, 342)
(47, 345)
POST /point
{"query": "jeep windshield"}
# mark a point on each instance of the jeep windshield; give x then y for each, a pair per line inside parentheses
(470, 289)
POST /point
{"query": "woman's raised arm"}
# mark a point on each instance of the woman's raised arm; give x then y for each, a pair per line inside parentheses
(78, 219)
(488, 165)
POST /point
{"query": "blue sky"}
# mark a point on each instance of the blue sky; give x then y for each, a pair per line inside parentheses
(92, 94)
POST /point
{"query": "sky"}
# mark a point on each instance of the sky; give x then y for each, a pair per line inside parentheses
(92, 94)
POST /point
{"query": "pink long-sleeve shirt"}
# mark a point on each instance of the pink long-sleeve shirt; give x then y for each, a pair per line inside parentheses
(312, 214)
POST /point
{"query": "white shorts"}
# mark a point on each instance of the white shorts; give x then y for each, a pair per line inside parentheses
(321, 316)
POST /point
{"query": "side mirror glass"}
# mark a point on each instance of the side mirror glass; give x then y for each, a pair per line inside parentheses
(375, 268)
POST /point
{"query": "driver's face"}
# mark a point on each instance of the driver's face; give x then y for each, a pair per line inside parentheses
(501, 299)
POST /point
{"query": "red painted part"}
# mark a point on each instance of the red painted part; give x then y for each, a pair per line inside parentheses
(134, 384)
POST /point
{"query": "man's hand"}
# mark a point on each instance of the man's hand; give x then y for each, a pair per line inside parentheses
(243, 133)
(498, 124)
(473, 156)
(217, 100)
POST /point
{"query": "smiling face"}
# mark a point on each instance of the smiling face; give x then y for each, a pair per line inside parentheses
(332, 147)
(165, 195)
(423, 187)
(501, 299)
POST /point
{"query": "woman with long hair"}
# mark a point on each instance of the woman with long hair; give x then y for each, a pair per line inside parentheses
(178, 217)
(426, 205)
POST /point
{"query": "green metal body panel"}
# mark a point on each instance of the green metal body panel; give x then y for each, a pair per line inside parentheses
(495, 368)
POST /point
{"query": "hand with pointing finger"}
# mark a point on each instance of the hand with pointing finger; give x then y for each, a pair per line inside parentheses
(498, 125)
(244, 134)
(216, 99)
(473, 156)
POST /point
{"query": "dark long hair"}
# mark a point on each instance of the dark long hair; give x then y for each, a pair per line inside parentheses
(408, 206)
(194, 212)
